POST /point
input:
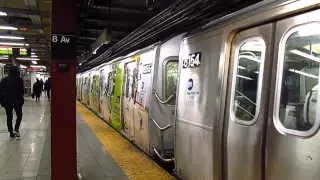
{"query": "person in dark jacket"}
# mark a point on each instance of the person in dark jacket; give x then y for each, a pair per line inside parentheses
(42, 84)
(37, 88)
(12, 97)
(47, 87)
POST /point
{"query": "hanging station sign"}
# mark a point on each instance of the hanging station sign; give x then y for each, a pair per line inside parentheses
(15, 51)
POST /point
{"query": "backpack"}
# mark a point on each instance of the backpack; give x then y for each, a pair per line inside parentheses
(310, 107)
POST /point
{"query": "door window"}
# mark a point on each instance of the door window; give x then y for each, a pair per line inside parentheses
(170, 82)
(248, 66)
(298, 91)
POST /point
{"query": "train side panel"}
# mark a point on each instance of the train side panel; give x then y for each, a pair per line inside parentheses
(199, 67)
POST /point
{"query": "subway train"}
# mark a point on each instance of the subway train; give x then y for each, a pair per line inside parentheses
(235, 99)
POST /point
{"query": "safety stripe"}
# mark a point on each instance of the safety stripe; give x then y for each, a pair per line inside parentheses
(134, 163)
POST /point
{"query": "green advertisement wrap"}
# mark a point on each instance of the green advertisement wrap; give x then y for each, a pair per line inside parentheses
(116, 106)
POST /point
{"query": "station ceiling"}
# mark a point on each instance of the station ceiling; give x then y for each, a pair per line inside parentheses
(118, 17)
(31, 20)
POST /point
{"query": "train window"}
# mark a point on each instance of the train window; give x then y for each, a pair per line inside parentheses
(170, 79)
(248, 66)
(297, 107)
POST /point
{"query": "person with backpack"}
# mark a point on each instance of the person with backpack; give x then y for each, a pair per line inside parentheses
(12, 98)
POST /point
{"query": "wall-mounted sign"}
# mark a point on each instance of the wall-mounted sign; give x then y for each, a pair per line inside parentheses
(63, 67)
(193, 60)
(63, 46)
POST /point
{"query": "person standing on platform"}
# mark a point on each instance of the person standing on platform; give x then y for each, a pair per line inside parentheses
(12, 98)
(37, 90)
(41, 82)
(47, 87)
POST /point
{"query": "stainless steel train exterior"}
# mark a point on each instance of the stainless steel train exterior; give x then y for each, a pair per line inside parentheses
(246, 103)
(136, 95)
(247, 96)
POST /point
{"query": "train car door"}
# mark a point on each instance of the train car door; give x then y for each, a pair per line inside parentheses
(293, 140)
(129, 90)
(246, 109)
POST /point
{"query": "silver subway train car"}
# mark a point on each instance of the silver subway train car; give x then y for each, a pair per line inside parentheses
(245, 91)
(135, 94)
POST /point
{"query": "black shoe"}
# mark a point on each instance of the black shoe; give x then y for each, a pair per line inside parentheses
(16, 133)
(12, 136)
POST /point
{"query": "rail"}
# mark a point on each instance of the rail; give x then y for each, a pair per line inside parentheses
(162, 129)
(165, 101)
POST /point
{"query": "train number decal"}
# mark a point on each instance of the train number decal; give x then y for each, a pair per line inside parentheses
(193, 60)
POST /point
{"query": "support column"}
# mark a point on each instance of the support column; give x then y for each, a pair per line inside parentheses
(63, 80)
(15, 63)
(33, 79)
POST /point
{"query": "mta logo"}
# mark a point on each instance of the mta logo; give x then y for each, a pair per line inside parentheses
(190, 84)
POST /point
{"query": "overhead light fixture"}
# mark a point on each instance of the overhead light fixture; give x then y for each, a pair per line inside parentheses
(304, 74)
(34, 62)
(33, 53)
(249, 57)
(11, 37)
(31, 59)
(12, 44)
(244, 77)
(34, 56)
(305, 55)
(3, 14)
(4, 57)
(309, 30)
(35, 66)
(22, 66)
(8, 28)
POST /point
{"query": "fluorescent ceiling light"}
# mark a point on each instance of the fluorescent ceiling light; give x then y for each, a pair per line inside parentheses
(297, 52)
(4, 57)
(34, 62)
(31, 59)
(35, 66)
(249, 57)
(12, 44)
(8, 28)
(244, 77)
(11, 37)
(22, 66)
(3, 14)
(33, 53)
(252, 46)
(240, 67)
(34, 56)
(309, 30)
(303, 73)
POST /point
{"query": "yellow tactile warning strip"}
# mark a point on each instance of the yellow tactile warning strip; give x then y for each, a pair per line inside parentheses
(134, 163)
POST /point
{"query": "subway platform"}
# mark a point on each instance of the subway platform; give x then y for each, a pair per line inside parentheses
(103, 154)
